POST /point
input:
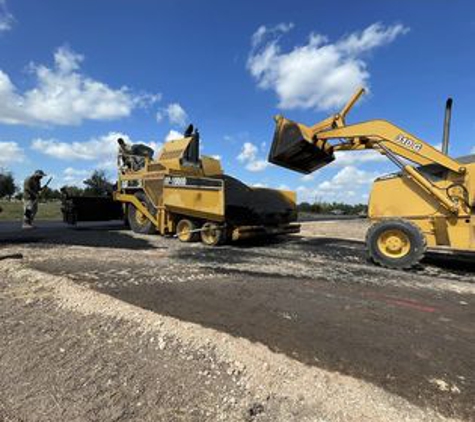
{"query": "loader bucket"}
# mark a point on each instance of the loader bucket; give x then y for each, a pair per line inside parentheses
(293, 149)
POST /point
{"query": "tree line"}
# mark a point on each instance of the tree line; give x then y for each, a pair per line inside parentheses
(96, 185)
(333, 208)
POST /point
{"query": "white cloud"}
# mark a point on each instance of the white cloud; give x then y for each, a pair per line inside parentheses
(257, 165)
(308, 177)
(348, 177)
(75, 177)
(248, 152)
(349, 185)
(350, 158)
(172, 135)
(347, 158)
(318, 75)
(6, 18)
(11, 152)
(175, 114)
(103, 149)
(263, 31)
(70, 171)
(249, 156)
(259, 185)
(64, 96)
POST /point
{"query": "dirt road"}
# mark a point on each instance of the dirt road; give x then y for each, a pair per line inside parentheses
(401, 345)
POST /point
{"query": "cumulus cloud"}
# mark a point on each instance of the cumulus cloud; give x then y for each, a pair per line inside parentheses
(318, 75)
(63, 95)
(348, 177)
(248, 152)
(172, 135)
(347, 158)
(349, 185)
(308, 177)
(6, 18)
(259, 185)
(75, 177)
(102, 149)
(11, 153)
(263, 32)
(350, 158)
(175, 113)
(249, 157)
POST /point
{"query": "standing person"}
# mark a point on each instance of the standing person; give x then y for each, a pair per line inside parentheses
(31, 196)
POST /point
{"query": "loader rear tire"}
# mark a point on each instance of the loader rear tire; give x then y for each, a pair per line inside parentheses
(212, 234)
(138, 222)
(185, 231)
(396, 244)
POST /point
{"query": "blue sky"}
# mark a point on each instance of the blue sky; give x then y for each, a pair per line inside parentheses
(75, 74)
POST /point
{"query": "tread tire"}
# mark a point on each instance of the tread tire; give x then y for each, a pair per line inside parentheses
(147, 227)
(417, 240)
(217, 240)
(194, 237)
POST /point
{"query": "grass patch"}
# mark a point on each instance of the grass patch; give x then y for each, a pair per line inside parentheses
(13, 211)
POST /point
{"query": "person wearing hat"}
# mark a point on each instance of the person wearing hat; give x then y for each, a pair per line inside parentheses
(31, 195)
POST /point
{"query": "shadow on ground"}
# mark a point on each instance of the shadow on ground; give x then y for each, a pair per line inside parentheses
(92, 235)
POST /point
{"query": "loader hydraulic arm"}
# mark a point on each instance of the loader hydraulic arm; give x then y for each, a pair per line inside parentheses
(379, 135)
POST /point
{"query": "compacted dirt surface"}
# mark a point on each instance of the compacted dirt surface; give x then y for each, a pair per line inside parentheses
(101, 324)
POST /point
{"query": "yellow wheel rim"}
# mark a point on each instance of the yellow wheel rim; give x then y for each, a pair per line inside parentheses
(184, 232)
(210, 234)
(394, 243)
(140, 217)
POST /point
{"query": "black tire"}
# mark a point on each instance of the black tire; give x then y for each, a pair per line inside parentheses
(212, 234)
(190, 225)
(139, 223)
(416, 244)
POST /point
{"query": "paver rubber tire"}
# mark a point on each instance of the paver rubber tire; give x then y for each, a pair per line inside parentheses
(185, 230)
(138, 222)
(212, 234)
(397, 244)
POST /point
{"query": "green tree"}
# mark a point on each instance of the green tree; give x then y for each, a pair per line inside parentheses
(49, 194)
(72, 191)
(7, 185)
(98, 184)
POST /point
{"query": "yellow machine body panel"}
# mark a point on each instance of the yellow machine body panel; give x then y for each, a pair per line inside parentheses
(197, 197)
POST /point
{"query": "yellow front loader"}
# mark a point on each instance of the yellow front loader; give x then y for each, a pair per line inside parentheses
(429, 203)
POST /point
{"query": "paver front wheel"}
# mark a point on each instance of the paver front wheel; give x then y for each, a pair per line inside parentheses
(138, 222)
(397, 243)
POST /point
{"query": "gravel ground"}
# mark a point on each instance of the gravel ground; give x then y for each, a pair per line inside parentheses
(101, 324)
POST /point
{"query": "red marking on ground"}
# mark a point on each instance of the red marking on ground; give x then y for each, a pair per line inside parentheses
(405, 303)
(411, 304)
